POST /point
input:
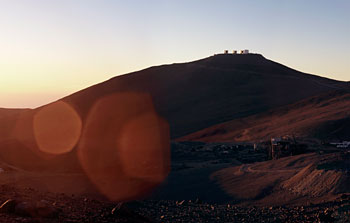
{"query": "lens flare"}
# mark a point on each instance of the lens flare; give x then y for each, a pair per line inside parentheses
(125, 147)
(144, 148)
(57, 128)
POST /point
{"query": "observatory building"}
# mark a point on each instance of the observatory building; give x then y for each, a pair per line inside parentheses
(236, 52)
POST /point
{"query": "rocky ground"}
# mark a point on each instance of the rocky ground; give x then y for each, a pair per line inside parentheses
(30, 205)
(34, 206)
(22, 203)
(195, 211)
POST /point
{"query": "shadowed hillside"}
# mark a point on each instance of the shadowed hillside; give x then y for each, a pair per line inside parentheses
(196, 95)
(199, 94)
(326, 116)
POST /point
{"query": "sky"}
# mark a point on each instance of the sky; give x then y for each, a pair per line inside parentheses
(50, 49)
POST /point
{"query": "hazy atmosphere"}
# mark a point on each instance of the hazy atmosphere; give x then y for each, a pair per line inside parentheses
(189, 111)
(50, 49)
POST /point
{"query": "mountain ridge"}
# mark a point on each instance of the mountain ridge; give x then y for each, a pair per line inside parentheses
(196, 95)
(214, 85)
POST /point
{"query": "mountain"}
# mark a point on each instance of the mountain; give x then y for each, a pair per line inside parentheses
(190, 96)
(199, 94)
(8, 118)
(5, 112)
(325, 116)
(113, 138)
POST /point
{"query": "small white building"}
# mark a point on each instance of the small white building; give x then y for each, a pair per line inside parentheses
(237, 52)
(344, 144)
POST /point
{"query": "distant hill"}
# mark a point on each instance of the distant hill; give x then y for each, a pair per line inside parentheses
(199, 94)
(5, 112)
(8, 118)
(326, 116)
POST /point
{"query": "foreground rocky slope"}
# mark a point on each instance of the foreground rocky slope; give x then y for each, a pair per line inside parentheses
(69, 208)
(192, 211)
(291, 180)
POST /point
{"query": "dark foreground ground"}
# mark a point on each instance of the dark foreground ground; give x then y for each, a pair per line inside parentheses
(65, 208)
(189, 195)
(169, 211)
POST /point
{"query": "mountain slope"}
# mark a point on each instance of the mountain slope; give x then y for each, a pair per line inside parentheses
(199, 94)
(325, 116)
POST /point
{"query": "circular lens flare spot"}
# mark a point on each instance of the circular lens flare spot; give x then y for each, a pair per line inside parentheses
(109, 126)
(57, 128)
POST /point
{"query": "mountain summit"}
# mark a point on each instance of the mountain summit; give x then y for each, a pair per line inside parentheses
(199, 94)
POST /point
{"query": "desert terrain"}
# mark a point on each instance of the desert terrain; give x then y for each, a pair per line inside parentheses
(186, 142)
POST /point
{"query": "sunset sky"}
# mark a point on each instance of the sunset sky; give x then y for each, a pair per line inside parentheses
(49, 49)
